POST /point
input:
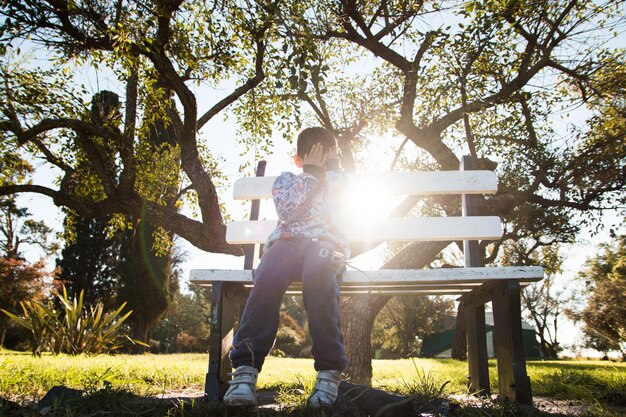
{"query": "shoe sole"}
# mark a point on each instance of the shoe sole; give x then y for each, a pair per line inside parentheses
(239, 402)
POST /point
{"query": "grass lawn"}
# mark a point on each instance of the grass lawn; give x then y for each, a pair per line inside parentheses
(25, 379)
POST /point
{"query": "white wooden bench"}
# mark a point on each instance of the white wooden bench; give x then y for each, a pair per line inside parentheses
(475, 284)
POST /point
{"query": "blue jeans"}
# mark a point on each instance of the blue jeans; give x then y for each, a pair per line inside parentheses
(319, 266)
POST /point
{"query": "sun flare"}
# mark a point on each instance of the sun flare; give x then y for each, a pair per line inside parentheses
(364, 202)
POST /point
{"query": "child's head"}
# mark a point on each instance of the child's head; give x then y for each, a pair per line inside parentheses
(312, 135)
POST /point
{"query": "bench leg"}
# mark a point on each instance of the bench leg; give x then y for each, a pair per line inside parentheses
(477, 350)
(228, 299)
(513, 381)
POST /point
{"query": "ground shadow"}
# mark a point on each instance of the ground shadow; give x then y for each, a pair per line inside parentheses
(354, 401)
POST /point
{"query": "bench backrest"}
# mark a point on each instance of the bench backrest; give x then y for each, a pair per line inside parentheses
(388, 229)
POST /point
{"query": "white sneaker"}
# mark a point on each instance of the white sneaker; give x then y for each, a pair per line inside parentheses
(325, 390)
(242, 390)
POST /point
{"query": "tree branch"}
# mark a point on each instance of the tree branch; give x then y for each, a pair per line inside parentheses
(62, 11)
(127, 144)
(96, 161)
(76, 125)
(50, 157)
(398, 152)
(252, 83)
(202, 235)
(501, 96)
(86, 208)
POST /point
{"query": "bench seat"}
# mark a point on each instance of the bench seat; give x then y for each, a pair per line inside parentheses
(444, 281)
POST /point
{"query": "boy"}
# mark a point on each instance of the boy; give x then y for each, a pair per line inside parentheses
(306, 245)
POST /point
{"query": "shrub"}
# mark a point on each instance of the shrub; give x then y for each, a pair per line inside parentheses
(186, 343)
(40, 320)
(75, 329)
(290, 337)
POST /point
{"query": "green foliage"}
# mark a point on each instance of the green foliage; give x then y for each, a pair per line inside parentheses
(491, 80)
(91, 330)
(604, 315)
(295, 393)
(426, 384)
(73, 329)
(37, 94)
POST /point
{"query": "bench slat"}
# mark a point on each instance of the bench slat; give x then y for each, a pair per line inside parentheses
(390, 183)
(446, 281)
(399, 229)
(392, 291)
(400, 291)
(442, 277)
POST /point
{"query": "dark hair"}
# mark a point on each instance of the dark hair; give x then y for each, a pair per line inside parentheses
(312, 135)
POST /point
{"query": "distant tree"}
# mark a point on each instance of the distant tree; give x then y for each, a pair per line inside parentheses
(146, 264)
(595, 341)
(116, 259)
(188, 314)
(407, 320)
(147, 281)
(543, 304)
(604, 315)
(17, 228)
(89, 260)
(19, 282)
(294, 306)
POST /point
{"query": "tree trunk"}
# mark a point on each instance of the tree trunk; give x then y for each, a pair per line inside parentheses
(140, 330)
(359, 312)
(146, 282)
(459, 346)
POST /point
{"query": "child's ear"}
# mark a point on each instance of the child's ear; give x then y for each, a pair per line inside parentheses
(297, 161)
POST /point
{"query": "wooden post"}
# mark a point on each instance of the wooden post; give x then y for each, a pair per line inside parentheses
(513, 381)
(227, 302)
(477, 359)
(251, 252)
